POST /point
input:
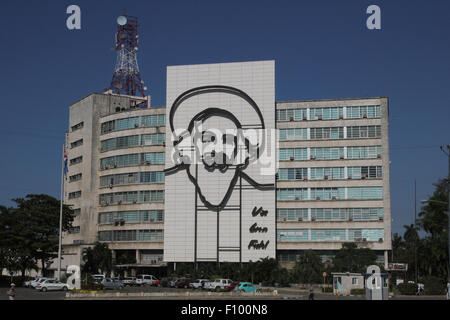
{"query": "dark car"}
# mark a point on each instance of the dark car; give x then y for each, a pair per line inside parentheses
(183, 283)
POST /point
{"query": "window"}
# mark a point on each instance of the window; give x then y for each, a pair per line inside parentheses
(327, 153)
(74, 230)
(293, 154)
(363, 112)
(365, 214)
(76, 143)
(132, 160)
(155, 120)
(365, 193)
(327, 173)
(331, 133)
(153, 139)
(331, 113)
(119, 143)
(292, 194)
(76, 212)
(152, 177)
(76, 160)
(291, 114)
(76, 177)
(370, 172)
(328, 235)
(363, 132)
(328, 214)
(292, 174)
(77, 126)
(355, 281)
(369, 152)
(292, 214)
(371, 235)
(75, 195)
(327, 193)
(131, 235)
(296, 235)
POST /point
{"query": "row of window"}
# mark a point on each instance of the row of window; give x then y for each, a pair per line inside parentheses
(329, 214)
(132, 178)
(304, 235)
(329, 113)
(135, 159)
(131, 197)
(333, 133)
(330, 153)
(75, 195)
(335, 173)
(131, 235)
(155, 120)
(141, 216)
(75, 177)
(133, 141)
(76, 160)
(348, 193)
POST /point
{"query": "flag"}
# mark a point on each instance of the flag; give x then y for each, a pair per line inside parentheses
(66, 169)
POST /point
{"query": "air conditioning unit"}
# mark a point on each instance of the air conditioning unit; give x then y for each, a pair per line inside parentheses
(349, 177)
(364, 116)
(136, 125)
(164, 144)
(341, 157)
(300, 219)
(341, 117)
(119, 202)
(111, 186)
(312, 157)
(115, 165)
(313, 218)
(292, 158)
(305, 178)
(380, 239)
(291, 119)
(333, 198)
(319, 117)
(284, 219)
(325, 177)
(317, 198)
(297, 198)
(134, 201)
(379, 156)
(364, 177)
(380, 218)
(350, 218)
(364, 239)
(117, 109)
(148, 162)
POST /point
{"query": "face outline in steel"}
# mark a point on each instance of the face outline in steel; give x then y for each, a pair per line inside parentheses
(200, 118)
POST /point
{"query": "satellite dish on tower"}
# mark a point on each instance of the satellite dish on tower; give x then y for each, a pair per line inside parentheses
(121, 21)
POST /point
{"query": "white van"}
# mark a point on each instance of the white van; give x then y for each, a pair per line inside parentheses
(146, 279)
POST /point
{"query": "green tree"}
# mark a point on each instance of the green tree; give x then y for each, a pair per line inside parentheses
(353, 259)
(97, 259)
(37, 216)
(308, 268)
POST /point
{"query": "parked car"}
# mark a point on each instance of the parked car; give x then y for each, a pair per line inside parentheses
(164, 282)
(27, 284)
(34, 283)
(246, 287)
(183, 283)
(233, 285)
(109, 283)
(198, 284)
(98, 278)
(50, 284)
(172, 282)
(146, 279)
(219, 284)
(129, 281)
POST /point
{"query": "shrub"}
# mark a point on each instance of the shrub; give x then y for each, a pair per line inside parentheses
(434, 285)
(407, 288)
(358, 292)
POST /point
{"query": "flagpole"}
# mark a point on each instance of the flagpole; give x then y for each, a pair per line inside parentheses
(60, 215)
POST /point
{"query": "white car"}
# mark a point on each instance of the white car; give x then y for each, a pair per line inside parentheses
(198, 284)
(51, 284)
(219, 284)
(146, 279)
(129, 281)
(27, 284)
(35, 282)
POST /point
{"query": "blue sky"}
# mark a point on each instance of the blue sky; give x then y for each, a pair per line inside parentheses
(322, 50)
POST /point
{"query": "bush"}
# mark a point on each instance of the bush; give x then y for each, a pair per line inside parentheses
(358, 292)
(434, 285)
(408, 289)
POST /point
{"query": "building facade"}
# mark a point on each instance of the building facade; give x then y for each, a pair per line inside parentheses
(331, 187)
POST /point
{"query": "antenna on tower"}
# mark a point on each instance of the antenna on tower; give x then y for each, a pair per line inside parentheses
(126, 78)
